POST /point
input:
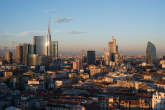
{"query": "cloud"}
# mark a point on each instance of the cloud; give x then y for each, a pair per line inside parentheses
(77, 32)
(30, 33)
(50, 11)
(62, 20)
(6, 35)
(23, 34)
(71, 32)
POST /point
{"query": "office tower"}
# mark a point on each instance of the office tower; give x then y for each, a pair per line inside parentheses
(54, 49)
(113, 52)
(163, 57)
(106, 58)
(27, 50)
(8, 57)
(48, 43)
(150, 53)
(77, 64)
(112, 46)
(19, 54)
(39, 43)
(35, 60)
(91, 57)
(83, 56)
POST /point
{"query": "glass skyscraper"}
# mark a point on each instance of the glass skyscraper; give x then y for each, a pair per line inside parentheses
(39, 45)
(91, 57)
(54, 47)
(43, 44)
(150, 53)
(48, 43)
(19, 54)
(27, 50)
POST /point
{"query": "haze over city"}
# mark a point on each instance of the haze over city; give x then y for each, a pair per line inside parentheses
(85, 24)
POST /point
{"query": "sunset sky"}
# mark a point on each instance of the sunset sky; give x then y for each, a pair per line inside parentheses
(85, 24)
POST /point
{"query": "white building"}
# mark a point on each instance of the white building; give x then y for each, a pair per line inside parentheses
(162, 62)
(34, 84)
(158, 101)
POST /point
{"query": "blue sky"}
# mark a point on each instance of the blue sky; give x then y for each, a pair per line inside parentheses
(85, 24)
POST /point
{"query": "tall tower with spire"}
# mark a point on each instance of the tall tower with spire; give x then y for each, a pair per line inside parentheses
(48, 42)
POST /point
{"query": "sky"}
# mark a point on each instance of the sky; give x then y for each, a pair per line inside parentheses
(85, 24)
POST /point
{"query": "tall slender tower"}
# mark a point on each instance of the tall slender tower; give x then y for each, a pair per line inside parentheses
(19, 54)
(27, 50)
(48, 42)
(54, 46)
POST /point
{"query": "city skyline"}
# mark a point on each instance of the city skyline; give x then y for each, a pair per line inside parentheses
(82, 55)
(85, 24)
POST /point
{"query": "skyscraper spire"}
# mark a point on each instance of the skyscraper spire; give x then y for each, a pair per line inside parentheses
(49, 35)
(48, 42)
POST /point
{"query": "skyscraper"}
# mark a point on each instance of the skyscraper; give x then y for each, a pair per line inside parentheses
(54, 47)
(19, 54)
(91, 57)
(112, 46)
(8, 57)
(113, 52)
(35, 59)
(150, 53)
(39, 43)
(106, 58)
(48, 43)
(77, 64)
(27, 50)
(83, 57)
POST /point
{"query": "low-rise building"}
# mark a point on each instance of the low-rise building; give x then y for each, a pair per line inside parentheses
(158, 101)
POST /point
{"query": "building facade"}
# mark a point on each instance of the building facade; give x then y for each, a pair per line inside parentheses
(27, 50)
(9, 57)
(150, 53)
(91, 57)
(106, 58)
(19, 54)
(158, 100)
(39, 43)
(111, 57)
(77, 64)
(55, 49)
(48, 43)
(35, 59)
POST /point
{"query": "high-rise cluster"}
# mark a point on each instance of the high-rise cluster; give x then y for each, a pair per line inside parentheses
(38, 53)
(112, 56)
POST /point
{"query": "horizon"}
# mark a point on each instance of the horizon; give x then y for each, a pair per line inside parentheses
(85, 25)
